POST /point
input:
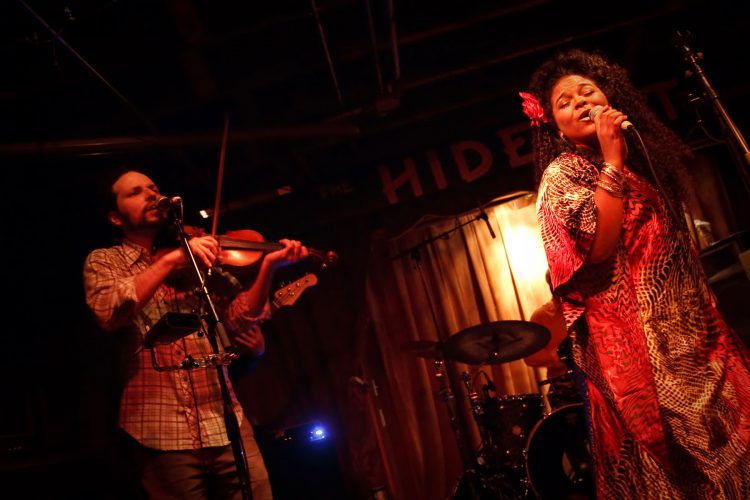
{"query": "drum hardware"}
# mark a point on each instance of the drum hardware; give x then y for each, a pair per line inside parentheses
(504, 423)
(479, 480)
(492, 481)
(496, 469)
(550, 380)
(433, 350)
(496, 342)
(482, 484)
(447, 395)
(475, 403)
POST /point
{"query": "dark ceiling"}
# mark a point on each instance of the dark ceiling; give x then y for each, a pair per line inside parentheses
(313, 92)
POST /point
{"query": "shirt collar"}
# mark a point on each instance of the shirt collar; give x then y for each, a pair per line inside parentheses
(133, 252)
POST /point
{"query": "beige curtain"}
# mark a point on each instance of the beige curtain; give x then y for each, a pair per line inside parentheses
(462, 279)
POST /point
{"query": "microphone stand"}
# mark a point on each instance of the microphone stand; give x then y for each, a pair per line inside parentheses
(739, 141)
(216, 331)
(482, 215)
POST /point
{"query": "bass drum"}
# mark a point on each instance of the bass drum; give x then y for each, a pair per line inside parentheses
(558, 456)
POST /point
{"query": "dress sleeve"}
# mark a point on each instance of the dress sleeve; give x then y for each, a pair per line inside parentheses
(110, 290)
(567, 215)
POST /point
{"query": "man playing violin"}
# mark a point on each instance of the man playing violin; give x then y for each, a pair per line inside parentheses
(174, 418)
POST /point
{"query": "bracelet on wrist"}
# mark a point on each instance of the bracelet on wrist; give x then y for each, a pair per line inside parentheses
(613, 172)
(613, 188)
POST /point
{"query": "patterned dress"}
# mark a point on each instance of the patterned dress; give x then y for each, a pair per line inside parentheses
(667, 381)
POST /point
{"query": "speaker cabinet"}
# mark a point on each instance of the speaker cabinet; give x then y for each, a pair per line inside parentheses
(728, 278)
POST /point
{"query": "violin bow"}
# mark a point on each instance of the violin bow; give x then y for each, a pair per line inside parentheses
(220, 179)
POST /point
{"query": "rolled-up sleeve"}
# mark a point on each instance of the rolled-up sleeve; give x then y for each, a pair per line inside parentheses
(110, 290)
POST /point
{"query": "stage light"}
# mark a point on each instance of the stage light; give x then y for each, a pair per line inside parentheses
(318, 433)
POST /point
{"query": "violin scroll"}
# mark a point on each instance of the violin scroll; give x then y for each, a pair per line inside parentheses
(326, 259)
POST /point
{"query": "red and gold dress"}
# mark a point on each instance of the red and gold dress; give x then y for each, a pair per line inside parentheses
(667, 381)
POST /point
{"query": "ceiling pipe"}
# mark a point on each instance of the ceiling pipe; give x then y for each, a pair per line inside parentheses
(104, 145)
(327, 52)
(412, 38)
(511, 56)
(404, 39)
(394, 43)
(278, 23)
(493, 61)
(374, 43)
(59, 39)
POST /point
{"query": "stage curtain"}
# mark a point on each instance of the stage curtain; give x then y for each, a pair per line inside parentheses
(457, 277)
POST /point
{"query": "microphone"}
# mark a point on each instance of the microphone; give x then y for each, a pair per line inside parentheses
(485, 218)
(166, 202)
(626, 125)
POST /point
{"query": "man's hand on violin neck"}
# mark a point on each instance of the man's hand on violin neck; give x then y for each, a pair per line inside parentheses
(292, 252)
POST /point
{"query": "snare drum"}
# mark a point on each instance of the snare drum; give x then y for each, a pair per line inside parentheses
(558, 456)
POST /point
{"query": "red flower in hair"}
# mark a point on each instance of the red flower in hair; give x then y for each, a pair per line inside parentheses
(533, 109)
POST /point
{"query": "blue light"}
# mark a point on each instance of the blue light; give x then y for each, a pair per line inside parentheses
(318, 433)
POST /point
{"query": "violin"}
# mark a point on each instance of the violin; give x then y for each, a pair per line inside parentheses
(239, 251)
(242, 248)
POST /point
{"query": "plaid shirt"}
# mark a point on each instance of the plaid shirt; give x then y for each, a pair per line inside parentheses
(167, 410)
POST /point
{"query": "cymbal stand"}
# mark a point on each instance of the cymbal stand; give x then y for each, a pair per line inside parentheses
(481, 416)
(476, 408)
(448, 385)
(446, 379)
(447, 395)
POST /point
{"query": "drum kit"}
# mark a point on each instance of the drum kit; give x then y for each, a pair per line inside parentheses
(526, 450)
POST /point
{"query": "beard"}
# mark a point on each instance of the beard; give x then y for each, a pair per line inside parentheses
(148, 219)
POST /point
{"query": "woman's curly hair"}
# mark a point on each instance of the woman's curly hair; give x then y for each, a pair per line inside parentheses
(665, 149)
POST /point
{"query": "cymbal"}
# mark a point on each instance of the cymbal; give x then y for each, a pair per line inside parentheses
(424, 348)
(496, 342)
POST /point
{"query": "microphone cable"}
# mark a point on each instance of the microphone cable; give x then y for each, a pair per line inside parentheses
(659, 185)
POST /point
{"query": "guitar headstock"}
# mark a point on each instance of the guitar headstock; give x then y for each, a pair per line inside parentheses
(288, 294)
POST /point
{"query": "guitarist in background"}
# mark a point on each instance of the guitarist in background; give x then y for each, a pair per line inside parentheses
(251, 343)
(173, 421)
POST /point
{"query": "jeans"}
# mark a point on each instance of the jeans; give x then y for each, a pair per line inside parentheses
(207, 473)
